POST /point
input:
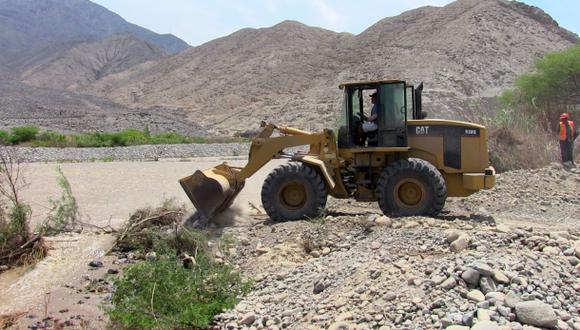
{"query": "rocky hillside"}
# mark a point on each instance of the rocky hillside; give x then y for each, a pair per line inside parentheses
(89, 62)
(74, 112)
(34, 30)
(464, 52)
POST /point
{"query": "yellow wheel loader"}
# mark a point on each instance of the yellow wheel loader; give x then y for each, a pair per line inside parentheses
(405, 162)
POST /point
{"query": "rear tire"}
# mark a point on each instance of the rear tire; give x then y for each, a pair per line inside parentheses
(411, 187)
(294, 191)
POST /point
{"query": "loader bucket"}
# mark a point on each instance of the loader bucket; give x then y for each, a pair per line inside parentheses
(212, 190)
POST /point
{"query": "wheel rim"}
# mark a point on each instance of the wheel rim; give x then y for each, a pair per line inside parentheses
(409, 193)
(293, 195)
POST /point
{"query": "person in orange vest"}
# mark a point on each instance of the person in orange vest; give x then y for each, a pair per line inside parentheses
(568, 134)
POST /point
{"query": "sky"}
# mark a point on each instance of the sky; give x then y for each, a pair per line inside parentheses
(199, 21)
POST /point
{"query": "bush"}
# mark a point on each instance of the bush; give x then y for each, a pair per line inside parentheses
(5, 138)
(164, 294)
(129, 138)
(169, 138)
(51, 139)
(64, 212)
(23, 134)
(170, 292)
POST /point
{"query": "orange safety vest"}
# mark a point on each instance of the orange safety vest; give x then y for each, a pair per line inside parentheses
(566, 135)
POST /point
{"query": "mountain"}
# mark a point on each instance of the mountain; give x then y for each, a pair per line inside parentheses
(89, 62)
(33, 30)
(465, 52)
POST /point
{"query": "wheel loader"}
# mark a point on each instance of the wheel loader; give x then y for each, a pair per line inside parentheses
(408, 164)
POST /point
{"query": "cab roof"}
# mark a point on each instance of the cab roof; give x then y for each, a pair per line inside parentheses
(369, 83)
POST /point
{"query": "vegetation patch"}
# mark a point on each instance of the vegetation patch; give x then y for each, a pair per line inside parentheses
(33, 136)
(180, 284)
(64, 213)
(18, 245)
(523, 129)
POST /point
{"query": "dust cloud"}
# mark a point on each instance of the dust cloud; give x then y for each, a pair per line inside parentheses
(240, 214)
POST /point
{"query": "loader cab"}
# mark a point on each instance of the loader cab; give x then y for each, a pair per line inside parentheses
(397, 102)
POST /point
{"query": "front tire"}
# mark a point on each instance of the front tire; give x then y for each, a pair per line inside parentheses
(411, 187)
(294, 191)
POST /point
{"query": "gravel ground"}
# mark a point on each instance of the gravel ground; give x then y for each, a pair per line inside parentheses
(144, 152)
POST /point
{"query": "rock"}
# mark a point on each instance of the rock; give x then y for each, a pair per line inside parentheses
(452, 235)
(468, 318)
(554, 251)
(502, 229)
(96, 264)
(512, 299)
(319, 286)
(461, 243)
(486, 285)
(248, 319)
(390, 296)
(536, 313)
(151, 256)
(449, 283)
(113, 271)
(500, 277)
(384, 221)
(346, 316)
(475, 295)
(495, 296)
(483, 269)
(565, 316)
(561, 325)
(261, 249)
(577, 249)
(485, 325)
(471, 276)
(457, 327)
(573, 261)
(339, 326)
(326, 251)
(375, 245)
(483, 314)
(438, 279)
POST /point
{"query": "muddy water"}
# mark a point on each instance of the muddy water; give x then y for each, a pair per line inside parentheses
(10, 276)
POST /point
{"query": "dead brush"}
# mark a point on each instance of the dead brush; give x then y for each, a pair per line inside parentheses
(150, 229)
(17, 244)
(511, 148)
(9, 320)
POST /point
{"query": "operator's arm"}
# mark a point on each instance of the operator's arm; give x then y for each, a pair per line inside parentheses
(374, 113)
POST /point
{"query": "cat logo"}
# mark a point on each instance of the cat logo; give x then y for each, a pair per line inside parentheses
(422, 130)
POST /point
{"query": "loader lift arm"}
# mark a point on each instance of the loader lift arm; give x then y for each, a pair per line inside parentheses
(213, 190)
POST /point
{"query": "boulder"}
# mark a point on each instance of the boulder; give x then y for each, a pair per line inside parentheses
(470, 276)
(536, 313)
(475, 295)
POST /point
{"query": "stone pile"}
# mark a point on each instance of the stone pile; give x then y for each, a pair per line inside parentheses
(380, 273)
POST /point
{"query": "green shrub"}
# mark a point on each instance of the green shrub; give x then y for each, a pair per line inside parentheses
(51, 139)
(169, 138)
(129, 137)
(168, 292)
(4, 138)
(23, 134)
(164, 294)
(64, 213)
(97, 139)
